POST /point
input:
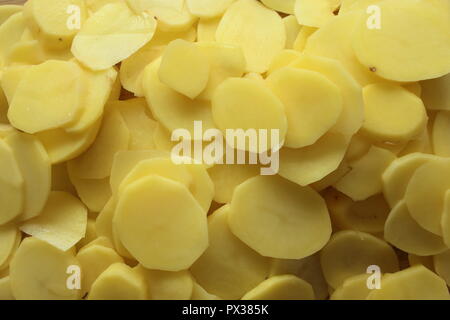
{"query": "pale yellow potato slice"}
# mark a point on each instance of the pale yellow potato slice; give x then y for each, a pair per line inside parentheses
(103, 222)
(47, 97)
(302, 37)
(8, 238)
(442, 265)
(38, 271)
(164, 37)
(445, 220)
(402, 231)
(420, 144)
(216, 270)
(95, 259)
(95, 5)
(206, 29)
(283, 287)
(310, 164)
(441, 133)
(350, 253)
(435, 93)
(283, 59)
(353, 288)
(100, 42)
(90, 234)
(35, 166)
(6, 129)
(312, 104)
(10, 32)
(332, 177)
(5, 289)
(10, 79)
(352, 115)
(162, 139)
(285, 6)
(166, 285)
(424, 51)
(198, 293)
(258, 30)
(25, 53)
(184, 68)
(60, 179)
(114, 136)
(314, 13)
(302, 222)
(100, 241)
(392, 113)
(426, 191)
(258, 108)
(352, 5)
(12, 192)
(414, 87)
(397, 175)
(7, 10)
(414, 283)
(208, 8)
(364, 180)
(157, 210)
(119, 282)
(292, 29)
(94, 193)
(62, 222)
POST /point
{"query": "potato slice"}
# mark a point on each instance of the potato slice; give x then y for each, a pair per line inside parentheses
(7, 10)
(206, 29)
(208, 8)
(198, 293)
(414, 283)
(103, 223)
(426, 261)
(314, 13)
(292, 29)
(442, 265)
(10, 32)
(441, 134)
(332, 177)
(35, 167)
(62, 223)
(38, 271)
(11, 77)
(12, 193)
(48, 97)
(258, 30)
(424, 54)
(283, 59)
(60, 179)
(350, 253)
(303, 225)
(353, 288)
(157, 210)
(285, 6)
(99, 43)
(5, 289)
(90, 234)
(284, 287)
(94, 193)
(435, 93)
(9, 234)
(302, 37)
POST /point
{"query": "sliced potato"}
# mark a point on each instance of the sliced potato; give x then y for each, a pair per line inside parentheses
(284, 287)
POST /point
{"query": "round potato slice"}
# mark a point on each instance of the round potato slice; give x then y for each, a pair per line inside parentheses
(198, 293)
(441, 263)
(353, 288)
(8, 239)
(7, 10)
(441, 134)
(284, 287)
(11, 32)
(314, 13)
(285, 6)
(302, 222)
(283, 59)
(38, 271)
(208, 8)
(292, 29)
(350, 253)
(157, 210)
(435, 93)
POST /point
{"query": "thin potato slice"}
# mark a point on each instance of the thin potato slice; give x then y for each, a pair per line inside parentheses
(206, 29)
(292, 29)
(94, 193)
(283, 287)
(441, 134)
(8, 239)
(314, 13)
(283, 59)
(5, 289)
(10, 32)
(442, 265)
(11, 77)
(198, 293)
(208, 8)
(435, 93)
(7, 10)
(302, 37)
(353, 288)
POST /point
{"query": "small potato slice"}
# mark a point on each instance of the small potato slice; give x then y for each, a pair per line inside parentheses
(9, 234)
(118, 282)
(184, 68)
(198, 293)
(424, 54)
(310, 164)
(350, 253)
(314, 13)
(35, 167)
(95, 5)
(402, 231)
(166, 285)
(62, 222)
(302, 37)
(414, 283)
(7, 10)
(258, 108)
(12, 193)
(312, 104)
(11, 77)
(353, 288)
(441, 134)
(445, 220)
(364, 180)
(435, 93)
(392, 113)
(397, 175)
(206, 29)
(292, 29)
(332, 177)
(208, 8)
(157, 210)
(103, 223)
(302, 222)
(426, 191)
(38, 271)
(94, 193)
(216, 270)
(90, 234)
(442, 265)
(10, 33)
(258, 30)
(283, 287)
(285, 6)
(283, 59)
(99, 43)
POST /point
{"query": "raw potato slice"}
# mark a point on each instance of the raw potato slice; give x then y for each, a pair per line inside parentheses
(56, 23)
(397, 175)
(353, 288)
(103, 223)
(258, 30)
(310, 164)
(332, 178)
(364, 180)
(352, 115)
(35, 166)
(302, 222)
(302, 37)
(414, 283)
(284, 287)
(119, 282)
(198, 293)
(7, 10)
(285, 6)
(352, 5)
(314, 13)
(38, 271)
(163, 38)
(99, 43)
(445, 221)
(11, 77)
(442, 265)
(8, 239)
(90, 234)
(157, 210)
(424, 54)
(184, 68)
(10, 32)
(208, 8)
(312, 104)
(392, 113)
(414, 87)
(95, 5)
(5, 289)
(206, 29)
(48, 97)
(12, 193)
(435, 93)
(283, 59)
(426, 191)
(5, 130)
(258, 108)
(216, 270)
(350, 253)
(114, 136)
(60, 179)
(165, 285)
(94, 193)
(402, 231)
(420, 144)
(62, 222)
(292, 29)
(441, 134)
